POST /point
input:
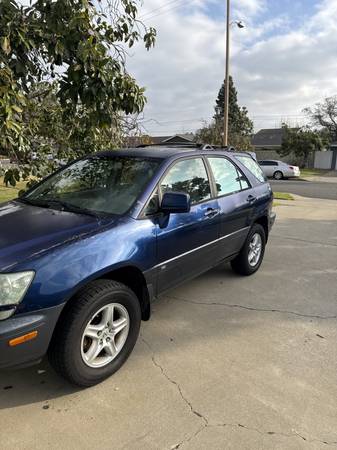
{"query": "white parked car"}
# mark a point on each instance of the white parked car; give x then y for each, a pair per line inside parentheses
(279, 169)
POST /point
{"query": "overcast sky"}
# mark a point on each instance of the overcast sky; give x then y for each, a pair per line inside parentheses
(285, 59)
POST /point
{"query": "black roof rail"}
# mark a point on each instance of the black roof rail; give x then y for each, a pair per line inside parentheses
(171, 144)
(219, 147)
(196, 145)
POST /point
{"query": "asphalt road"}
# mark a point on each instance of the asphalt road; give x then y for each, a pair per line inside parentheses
(226, 362)
(311, 189)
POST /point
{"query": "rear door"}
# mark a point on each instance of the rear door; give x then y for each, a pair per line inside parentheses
(235, 199)
(186, 242)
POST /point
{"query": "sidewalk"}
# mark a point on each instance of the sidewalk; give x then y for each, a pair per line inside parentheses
(307, 208)
(319, 179)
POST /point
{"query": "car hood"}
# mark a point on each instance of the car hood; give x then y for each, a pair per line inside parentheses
(27, 231)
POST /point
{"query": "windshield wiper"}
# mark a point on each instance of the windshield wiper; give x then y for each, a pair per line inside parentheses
(72, 208)
(51, 203)
(42, 203)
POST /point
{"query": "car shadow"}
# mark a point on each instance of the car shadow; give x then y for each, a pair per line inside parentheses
(33, 384)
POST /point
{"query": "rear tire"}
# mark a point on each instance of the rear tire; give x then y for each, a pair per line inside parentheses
(278, 175)
(251, 255)
(102, 308)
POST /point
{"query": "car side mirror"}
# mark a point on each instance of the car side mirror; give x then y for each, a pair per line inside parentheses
(175, 202)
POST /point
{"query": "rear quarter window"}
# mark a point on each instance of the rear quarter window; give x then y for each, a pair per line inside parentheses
(252, 166)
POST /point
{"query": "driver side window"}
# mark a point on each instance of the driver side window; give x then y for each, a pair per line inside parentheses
(188, 176)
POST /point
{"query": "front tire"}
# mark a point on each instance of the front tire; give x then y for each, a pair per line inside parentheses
(251, 255)
(97, 333)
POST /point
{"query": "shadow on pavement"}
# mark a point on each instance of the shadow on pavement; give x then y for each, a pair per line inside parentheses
(34, 384)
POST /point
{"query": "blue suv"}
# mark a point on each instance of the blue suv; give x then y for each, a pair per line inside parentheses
(84, 252)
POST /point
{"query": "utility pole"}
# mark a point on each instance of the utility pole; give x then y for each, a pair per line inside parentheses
(226, 106)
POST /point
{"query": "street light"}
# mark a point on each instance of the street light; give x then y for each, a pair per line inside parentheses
(239, 24)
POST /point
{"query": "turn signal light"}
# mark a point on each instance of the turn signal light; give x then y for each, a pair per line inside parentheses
(22, 339)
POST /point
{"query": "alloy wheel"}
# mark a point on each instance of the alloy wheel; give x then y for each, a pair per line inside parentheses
(105, 335)
(255, 250)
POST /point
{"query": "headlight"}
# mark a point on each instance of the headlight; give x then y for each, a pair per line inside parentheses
(13, 287)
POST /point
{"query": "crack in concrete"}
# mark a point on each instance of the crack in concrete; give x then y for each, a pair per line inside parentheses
(251, 308)
(207, 424)
(274, 433)
(135, 440)
(175, 383)
(190, 438)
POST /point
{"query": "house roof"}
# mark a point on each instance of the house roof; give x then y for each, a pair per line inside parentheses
(159, 139)
(176, 138)
(268, 137)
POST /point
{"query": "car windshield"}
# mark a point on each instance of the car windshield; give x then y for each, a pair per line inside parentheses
(107, 185)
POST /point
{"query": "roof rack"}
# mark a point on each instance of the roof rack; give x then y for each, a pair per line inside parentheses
(218, 147)
(189, 145)
(199, 147)
(171, 144)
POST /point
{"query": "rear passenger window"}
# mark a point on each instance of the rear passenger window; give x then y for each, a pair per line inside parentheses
(188, 176)
(228, 178)
(252, 166)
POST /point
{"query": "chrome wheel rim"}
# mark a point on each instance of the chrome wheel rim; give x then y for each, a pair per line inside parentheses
(105, 335)
(278, 175)
(255, 250)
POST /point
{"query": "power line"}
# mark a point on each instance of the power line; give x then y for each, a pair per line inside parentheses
(199, 119)
(271, 117)
(161, 7)
(166, 11)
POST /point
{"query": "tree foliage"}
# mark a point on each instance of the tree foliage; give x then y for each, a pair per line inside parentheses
(62, 73)
(302, 142)
(238, 120)
(324, 115)
(240, 127)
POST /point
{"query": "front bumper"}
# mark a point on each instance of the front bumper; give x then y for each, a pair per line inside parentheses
(272, 218)
(32, 351)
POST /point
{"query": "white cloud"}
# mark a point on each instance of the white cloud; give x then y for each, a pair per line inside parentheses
(277, 70)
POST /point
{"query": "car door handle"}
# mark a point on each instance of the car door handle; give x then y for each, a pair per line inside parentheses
(212, 212)
(251, 199)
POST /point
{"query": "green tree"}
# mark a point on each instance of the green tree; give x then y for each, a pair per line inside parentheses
(240, 127)
(69, 57)
(209, 133)
(302, 143)
(324, 115)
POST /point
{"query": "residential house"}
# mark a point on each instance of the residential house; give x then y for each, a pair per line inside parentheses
(177, 139)
(267, 142)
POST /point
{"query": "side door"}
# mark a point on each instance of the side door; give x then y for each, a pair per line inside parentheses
(235, 200)
(186, 242)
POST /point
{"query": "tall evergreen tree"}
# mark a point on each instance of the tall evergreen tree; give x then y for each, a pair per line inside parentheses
(239, 124)
(240, 127)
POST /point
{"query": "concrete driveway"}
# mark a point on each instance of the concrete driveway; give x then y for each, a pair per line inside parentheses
(225, 363)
